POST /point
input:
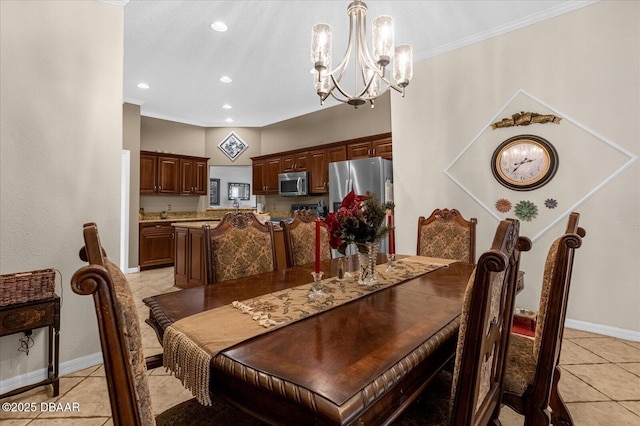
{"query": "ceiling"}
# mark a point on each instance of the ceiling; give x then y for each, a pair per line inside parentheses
(170, 46)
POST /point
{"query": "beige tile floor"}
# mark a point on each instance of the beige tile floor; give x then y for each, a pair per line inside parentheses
(600, 380)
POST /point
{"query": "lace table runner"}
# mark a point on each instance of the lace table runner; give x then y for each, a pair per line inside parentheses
(191, 343)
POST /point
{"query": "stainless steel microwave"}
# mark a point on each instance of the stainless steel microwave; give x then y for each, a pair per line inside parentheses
(293, 184)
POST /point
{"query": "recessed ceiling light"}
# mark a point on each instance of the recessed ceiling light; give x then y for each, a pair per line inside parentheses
(219, 26)
(226, 106)
(225, 79)
(143, 86)
(229, 120)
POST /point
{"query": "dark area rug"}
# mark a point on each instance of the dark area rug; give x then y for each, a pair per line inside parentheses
(191, 412)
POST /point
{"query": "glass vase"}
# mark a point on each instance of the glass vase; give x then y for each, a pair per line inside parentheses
(343, 269)
(368, 260)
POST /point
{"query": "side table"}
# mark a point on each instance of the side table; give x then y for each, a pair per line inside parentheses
(21, 317)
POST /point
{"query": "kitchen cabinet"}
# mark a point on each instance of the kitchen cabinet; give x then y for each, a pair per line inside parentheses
(296, 162)
(382, 148)
(193, 176)
(336, 153)
(156, 245)
(148, 173)
(169, 174)
(278, 242)
(265, 176)
(189, 267)
(159, 174)
(373, 148)
(315, 161)
(318, 172)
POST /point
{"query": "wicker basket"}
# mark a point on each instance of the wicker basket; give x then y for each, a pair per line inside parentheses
(27, 286)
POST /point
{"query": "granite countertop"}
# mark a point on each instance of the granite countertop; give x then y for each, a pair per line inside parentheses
(196, 225)
(196, 216)
(175, 219)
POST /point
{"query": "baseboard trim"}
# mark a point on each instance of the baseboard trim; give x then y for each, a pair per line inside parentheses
(619, 333)
(36, 376)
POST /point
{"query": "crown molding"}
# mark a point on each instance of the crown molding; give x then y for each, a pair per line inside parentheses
(506, 28)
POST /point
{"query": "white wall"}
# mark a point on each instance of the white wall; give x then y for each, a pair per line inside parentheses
(60, 146)
(585, 64)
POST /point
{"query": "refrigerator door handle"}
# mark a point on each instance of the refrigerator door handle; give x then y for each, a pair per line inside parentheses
(346, 186)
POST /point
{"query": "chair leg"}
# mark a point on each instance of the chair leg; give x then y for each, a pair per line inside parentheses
(560, 415)
(537, 417)
(154, 361)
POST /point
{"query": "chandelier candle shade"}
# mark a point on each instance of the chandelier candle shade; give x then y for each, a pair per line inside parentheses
(370, 73)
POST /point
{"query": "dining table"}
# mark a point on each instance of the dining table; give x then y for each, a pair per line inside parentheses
(360, 362)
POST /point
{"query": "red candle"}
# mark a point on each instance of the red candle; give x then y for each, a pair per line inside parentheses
(317, 263)
(392, 237)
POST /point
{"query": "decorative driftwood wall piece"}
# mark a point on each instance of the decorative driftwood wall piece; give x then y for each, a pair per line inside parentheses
(525, 118)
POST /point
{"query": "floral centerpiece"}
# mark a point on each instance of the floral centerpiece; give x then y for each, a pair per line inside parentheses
(359, 221)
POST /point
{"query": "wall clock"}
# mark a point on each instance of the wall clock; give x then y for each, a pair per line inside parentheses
(524, 162)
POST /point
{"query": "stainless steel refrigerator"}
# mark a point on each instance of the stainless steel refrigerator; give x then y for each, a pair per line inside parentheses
(367, 176)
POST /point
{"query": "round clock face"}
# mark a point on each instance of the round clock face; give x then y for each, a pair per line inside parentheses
(524, 162)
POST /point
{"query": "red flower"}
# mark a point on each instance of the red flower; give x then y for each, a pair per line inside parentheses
(358, 220)
(334, 231)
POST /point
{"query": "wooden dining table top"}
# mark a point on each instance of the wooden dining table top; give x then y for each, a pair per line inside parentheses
(361, 362)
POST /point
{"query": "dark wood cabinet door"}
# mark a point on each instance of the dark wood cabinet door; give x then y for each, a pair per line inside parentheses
(287, 164)
(358, 150)
(318, 172)
(259, 171)
(302, 161)
(193, 177)
(382, 148)
(180, 266)
(156, 245)
(200, 177)
(336, 153)
(186, 176)
(297, 162)
(148, 173)
(168, 175)
(196, 271)
(272, 169)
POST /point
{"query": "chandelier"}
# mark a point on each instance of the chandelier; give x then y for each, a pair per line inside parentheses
(370, 73)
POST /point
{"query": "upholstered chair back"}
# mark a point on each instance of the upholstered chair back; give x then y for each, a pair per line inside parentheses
(446, 234)
(532, 371)
(485, 325)
(119, 329)
(300, 238)
(239, 246)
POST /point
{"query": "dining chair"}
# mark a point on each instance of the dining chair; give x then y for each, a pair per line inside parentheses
(532, 374)
(121, 342)
(472, 394)
(300, 237)
(446, 234)
(238, 247)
